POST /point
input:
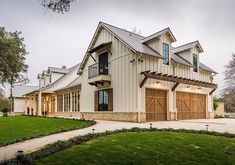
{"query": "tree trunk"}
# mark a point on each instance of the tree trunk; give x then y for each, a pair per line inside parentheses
(11, 98)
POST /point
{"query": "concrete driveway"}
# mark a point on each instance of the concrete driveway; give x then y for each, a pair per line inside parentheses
(218, 125)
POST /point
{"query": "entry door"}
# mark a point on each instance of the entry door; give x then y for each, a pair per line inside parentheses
(156, 105)
(103, 63)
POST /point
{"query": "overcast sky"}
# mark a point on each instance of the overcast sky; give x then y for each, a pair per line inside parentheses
(54, 39)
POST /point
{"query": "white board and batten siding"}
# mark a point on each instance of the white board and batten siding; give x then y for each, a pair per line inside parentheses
(19, 105)
(123, 76)
(126, 77)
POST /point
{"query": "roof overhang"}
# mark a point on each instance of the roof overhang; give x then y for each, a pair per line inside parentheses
(100, 46)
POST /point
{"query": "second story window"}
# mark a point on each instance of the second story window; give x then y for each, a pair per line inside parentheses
(165, 54)
(103, 63)
(195, 62)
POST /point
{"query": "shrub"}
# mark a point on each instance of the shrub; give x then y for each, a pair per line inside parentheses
(5, 111)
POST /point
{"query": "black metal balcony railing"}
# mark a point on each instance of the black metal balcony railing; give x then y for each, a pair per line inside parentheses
(97, 69)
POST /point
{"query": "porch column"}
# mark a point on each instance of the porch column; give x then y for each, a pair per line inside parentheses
(170, 114)
(71, 102)
(34, 104)
(26, 105)
(63, 102)
(55, 103)
(39, 103)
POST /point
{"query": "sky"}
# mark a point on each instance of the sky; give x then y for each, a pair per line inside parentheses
(54, 39)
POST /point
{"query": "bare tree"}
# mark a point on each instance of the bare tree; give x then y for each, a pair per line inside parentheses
(229, 89)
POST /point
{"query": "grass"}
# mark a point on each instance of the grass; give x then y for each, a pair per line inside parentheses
(20, 128)
(148, 148)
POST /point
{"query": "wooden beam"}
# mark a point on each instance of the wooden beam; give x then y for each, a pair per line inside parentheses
(143, 82)
(180, 80)
(175, 86)
(92, 57)
(212, 91)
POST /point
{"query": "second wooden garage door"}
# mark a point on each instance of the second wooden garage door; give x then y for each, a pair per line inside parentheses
(190, 106)
(156, 105)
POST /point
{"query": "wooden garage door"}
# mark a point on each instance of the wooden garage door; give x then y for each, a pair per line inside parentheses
(190, 106)
(156, 105)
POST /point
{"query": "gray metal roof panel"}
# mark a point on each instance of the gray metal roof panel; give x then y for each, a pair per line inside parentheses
(206, 68)
(20, 90)
(132, 39)
(181, 60)
(155, 35)
(185, 47)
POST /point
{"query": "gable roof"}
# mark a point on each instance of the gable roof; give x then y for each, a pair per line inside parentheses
(20, 90)
(187, 47)
(61, 78)
(137, 42)
(132, 40)
(158, 34)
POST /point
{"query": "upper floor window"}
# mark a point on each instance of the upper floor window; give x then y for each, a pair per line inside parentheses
(195, 62)
(165, 53)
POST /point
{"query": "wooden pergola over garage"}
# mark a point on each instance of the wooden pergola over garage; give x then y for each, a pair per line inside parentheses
(189, 105)
(177, 80)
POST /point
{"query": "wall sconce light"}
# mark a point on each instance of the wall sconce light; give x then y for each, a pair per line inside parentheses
(133, 60)
(158, 82)
(140, 60)
(188, 86)
(199, 88)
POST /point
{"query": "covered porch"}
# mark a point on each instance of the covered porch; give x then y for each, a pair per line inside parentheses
(44, 107)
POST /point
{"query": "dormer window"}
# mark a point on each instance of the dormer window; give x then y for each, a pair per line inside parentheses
(195, 62)
(165, 54)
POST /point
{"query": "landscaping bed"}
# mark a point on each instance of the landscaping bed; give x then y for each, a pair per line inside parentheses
(138, 146)
(19, 128)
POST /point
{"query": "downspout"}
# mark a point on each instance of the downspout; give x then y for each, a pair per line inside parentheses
(138, 91)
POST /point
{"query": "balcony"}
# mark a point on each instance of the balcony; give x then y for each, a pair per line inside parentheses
(98, 73)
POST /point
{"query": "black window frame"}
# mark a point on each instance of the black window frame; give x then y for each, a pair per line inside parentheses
(103, 63)
(166, 59)
(195, 64)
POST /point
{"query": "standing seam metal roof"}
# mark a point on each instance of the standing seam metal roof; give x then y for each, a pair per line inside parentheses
(131, 39)
(135, 42)
(185, 47)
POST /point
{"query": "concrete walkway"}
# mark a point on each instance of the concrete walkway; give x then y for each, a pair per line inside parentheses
(218, 125)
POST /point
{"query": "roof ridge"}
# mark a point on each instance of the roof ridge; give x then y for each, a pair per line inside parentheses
(56, 67)
(121, 29)
(156, 33)
(185, 44)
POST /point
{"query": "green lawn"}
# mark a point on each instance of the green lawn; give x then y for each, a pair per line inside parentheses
(19, 127)
(149, 148)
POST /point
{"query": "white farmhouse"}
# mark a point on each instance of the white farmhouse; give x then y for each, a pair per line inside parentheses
(129, 77)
